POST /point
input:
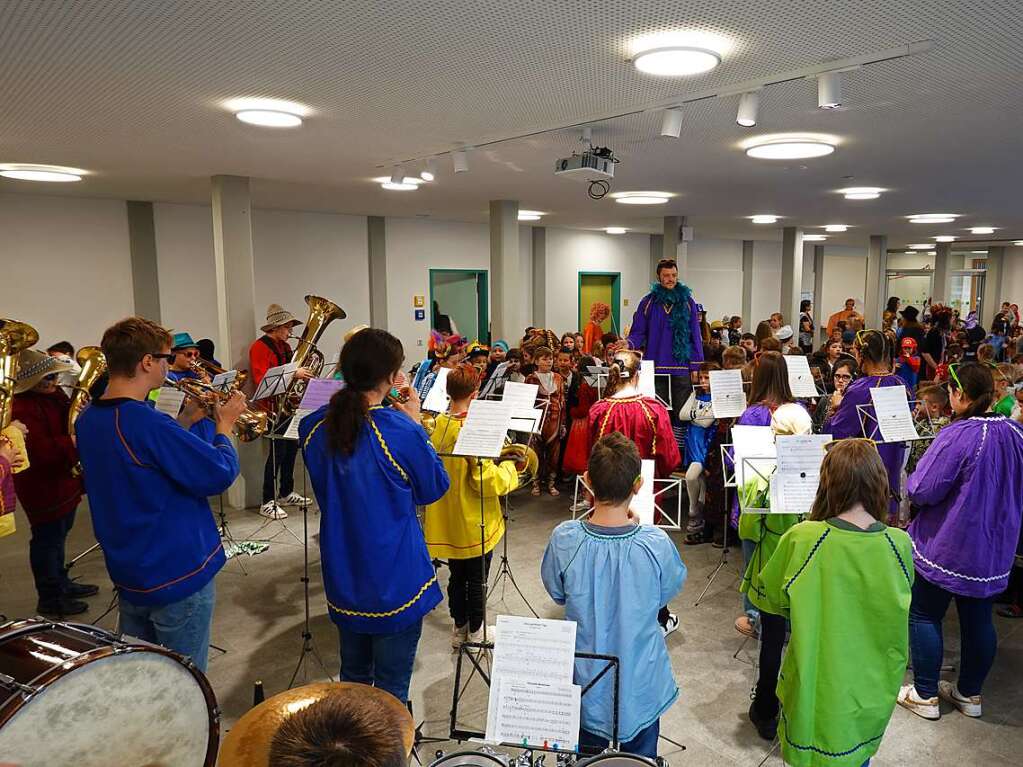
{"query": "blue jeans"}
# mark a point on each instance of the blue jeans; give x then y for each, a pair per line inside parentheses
(46, 557)
(748, 547)
(380, 660)
(977, 632)
(182, 626)
(644, 744)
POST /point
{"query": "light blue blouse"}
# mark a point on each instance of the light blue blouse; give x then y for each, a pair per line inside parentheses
(612, 582)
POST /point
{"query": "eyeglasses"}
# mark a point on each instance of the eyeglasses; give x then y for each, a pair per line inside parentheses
(842, 377)
(191, 353)
(156, 356)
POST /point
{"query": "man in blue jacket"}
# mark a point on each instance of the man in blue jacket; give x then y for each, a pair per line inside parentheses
(148, 478)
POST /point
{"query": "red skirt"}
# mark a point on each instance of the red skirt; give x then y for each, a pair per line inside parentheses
(577, 454)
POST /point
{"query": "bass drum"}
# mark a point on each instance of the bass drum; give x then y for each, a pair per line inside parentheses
(73, 694)
(484, 758)
(616, 760)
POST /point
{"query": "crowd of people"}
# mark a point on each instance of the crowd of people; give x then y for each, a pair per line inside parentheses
(896, 532)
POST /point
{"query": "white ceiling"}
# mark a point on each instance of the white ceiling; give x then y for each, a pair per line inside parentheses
(133, 92)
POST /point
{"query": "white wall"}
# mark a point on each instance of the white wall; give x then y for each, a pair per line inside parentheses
(766, 283)
(1012, 276)
(65, 266)
(714, 273)
(845, 276)
(571, 251)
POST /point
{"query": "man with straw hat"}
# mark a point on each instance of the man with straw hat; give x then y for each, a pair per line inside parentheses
(269, 351)
(48, 489)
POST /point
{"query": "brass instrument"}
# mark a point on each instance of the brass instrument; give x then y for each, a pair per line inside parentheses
(516, 451)
(307, 355)
(93, 364)
(15, 337)
(251, 424)
(206, 369)
(400, 396)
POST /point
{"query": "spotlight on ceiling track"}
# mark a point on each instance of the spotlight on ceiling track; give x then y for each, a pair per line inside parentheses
(398, 175)
(429, 171)
(460, 160)
(587, 135)
(671, 122)
(829, 90)
(749, 104)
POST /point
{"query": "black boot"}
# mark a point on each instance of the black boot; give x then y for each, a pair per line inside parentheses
(77, 590)
(62, 607)
(767, 727)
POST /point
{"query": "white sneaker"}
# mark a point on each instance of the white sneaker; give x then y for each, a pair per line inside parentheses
(459, 635)
(670, 625)
(273, 510)
(294, 499)
(922, 707)
(967, 705)
(580, 505)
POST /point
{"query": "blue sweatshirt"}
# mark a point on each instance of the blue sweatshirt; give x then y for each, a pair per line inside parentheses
(148, 480)
(377, 572)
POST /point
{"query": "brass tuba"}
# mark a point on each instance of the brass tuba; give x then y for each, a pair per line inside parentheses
(307, 355)
(94, 364)
(15, 337)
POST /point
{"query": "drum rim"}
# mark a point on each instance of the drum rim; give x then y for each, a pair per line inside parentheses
(598, 758)
(117, 646)
(453, 754)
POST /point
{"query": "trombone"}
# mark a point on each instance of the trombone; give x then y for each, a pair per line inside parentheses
(251, 424)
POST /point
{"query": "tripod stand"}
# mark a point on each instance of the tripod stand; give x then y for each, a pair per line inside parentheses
(723, 562)
(227, 535)
(504, 570)
(308, 648)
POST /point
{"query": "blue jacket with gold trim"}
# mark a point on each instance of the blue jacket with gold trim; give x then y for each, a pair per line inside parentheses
(376, 569)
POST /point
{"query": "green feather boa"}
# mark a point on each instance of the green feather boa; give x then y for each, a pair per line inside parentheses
(679, 319)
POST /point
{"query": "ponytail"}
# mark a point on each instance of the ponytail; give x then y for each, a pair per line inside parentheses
(624, 367)
(366, 361)
(874, 346)
(976, 383)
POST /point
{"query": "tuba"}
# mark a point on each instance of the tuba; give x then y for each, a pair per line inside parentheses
(307, 355)
(15, 337)
(94, 364)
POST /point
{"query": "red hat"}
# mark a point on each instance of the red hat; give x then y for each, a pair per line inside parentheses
(908, 345)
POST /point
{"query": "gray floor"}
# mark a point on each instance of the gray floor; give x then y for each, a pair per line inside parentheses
(258, 622)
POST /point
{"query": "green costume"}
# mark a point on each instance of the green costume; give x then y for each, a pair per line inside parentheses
(846, 593)
(766, 531)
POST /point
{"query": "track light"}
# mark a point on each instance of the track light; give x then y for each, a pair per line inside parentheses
(460, 160)
(429, 171)
(398, 175)
(748, 106)
(671, 122)
(829, 90)
(587, 135)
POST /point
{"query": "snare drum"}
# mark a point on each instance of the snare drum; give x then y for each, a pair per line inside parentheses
(616, 760)
(75, 694)
(483, 758)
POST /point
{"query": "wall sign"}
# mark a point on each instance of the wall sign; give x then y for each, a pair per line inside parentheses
(420, 314)
(419, 301)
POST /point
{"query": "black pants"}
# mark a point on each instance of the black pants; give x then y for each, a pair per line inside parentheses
(46, 557)
(772, 643)
(467, 590)
(680, 387)
(280, 465)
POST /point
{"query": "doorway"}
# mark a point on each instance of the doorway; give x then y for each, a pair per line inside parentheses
(601, 286)
(914, 287)
(966, 291)
(458, 303)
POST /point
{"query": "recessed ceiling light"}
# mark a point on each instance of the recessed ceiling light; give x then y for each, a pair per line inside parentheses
(405, 186)
(616, 230)
(642, 198)
(1017, 243)
(932, 252)
(910, 253)
(530, 215)
(790, 146)
(814, 237)
(268, 113)
(983, 230)
(979, 252)
(861, 192)
(676, 60)
(932, 218)
(764, 218)
(945, 238)
(49, 173)
(408, 180)
(921, 246)
(836, 228)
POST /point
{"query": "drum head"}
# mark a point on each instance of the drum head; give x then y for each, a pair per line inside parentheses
(470, 759)
(616, 760)
(133, 708)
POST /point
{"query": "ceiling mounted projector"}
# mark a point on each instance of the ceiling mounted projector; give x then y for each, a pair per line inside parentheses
(596, 162)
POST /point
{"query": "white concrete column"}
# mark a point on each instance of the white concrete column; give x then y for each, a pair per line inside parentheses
(992, 300)
(145, 275)
(820, 321)
(791, 274)
(939, 286)
(509, 315)
(377, 249)
(539, 318)
(672, 245)
(236, 310)
(874, 298)
(747, 285)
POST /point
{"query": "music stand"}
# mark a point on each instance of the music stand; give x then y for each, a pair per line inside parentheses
(504, 570)
(868, 418)
(665, 485)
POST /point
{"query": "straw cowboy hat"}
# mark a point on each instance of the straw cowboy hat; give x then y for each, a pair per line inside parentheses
(277, 315)
(34, 366)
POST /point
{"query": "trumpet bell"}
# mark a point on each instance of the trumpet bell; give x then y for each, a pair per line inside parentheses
(428, 422)
(523, 454)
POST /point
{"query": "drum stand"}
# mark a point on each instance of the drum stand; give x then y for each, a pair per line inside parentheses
(307, 636)
(723, 562)
(504, 570)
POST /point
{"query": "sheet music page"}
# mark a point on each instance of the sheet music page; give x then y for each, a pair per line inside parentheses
(534, 713)
(520, 396)
(894, 418)
(276, 381)
(643, 502)
(534, 648)
(223, 380)
(437, 398)
(292, 431)
(794, 484)
(527, 420)
(800, 377)
(484, 430)
(169, 400)
(752, 442)
(318, 392)
(727, 397)
(647, 378)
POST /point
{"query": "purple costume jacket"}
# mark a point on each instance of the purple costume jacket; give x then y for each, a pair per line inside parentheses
(845, 422)
(651, 332)
(969, 490)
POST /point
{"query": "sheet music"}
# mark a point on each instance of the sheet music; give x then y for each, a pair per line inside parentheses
(437, 398)
(534, 713)
(647, 379)
(318, 392)
(643, 502)
(169, 399)
(527, 421)
(894, 418)
(484, 430)
(520, 396)
(800, 377)
(534, 648)
(292, 430)
(727, 397)
(224, 380)
(753, 442)
(795, 482)
(276, 381)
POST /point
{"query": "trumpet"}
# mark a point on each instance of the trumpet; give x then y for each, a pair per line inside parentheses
(206, 370)
(251, 424)
(522, 454)
(399, 395)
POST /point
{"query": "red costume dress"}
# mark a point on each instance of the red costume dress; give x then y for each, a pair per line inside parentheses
(643, 420)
